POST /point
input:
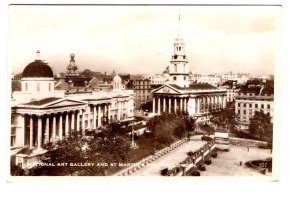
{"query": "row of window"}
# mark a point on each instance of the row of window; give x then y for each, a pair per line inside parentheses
(143, 98)
(142, 87)
(256, 105)
(142, 91)
(37, 87)
(141, 82)
(250, 112)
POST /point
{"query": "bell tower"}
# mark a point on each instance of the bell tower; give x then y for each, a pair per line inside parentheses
(179, 70)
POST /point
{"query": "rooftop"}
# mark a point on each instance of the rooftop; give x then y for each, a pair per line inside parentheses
(199, 86)
(42, 101)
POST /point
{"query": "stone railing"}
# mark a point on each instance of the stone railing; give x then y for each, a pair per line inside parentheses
(145, 161)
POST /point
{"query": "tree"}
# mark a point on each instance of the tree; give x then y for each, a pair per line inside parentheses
(226, 118)
(87, 73)
(77, 148)
(147, 106)
(261, 126)
(170, 125)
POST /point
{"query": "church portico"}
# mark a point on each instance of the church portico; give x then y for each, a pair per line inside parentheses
(172, 99)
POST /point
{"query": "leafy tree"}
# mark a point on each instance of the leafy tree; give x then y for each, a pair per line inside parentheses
(76, 148)
(147, 106)
(87, 73)
(168, 126)
(261, 126)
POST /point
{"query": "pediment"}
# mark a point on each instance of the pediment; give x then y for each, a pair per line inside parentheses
(64, 103)
(166, 89)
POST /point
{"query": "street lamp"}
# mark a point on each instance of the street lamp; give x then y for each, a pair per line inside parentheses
(133, 144)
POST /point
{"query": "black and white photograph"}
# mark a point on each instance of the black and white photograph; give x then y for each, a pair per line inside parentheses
(144, 90)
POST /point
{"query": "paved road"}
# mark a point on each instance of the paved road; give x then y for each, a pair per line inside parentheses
(171, 159)
(227, 164)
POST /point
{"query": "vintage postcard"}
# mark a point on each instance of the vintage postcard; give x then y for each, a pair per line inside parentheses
(144, 90)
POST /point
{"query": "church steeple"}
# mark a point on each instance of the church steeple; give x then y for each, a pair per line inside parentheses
(179, 69)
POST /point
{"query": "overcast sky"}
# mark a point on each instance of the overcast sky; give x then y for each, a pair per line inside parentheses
(140, 39)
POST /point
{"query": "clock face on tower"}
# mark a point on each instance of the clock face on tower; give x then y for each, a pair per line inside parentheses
(72, 55)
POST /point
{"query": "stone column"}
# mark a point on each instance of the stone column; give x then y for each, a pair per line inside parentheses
(78, 121)
(199, 105)
(73, 120)
(99, 115)
(170, 105)
(94, 116)
(119, 111)
(67, 125)
(164, 104)
(180, 104)
(54, 128)
(153, 105)
(105, 114)
(31, 132)
(175, 105)
(88, 118)
(184, 104)
(83, 120)
(60, 132)
(158, 105)
(39, 132)
(47, 131)
(108, 111)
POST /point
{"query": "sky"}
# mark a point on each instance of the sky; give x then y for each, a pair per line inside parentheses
(140, 39)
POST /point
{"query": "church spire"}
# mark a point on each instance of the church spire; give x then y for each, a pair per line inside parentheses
(179, 37)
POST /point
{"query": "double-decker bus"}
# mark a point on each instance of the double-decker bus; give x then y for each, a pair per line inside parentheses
(221, 139)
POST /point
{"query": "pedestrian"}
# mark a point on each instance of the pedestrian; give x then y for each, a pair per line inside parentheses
(241, 163)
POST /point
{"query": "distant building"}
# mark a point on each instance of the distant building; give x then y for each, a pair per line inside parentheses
(212, 79)
(17, 77)
(254, 96)
(231, 90)
(241, 78)
(142, 91)
(156, 79)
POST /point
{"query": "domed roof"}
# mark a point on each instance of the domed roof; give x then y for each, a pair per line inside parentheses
(117, 78)
(37, 69)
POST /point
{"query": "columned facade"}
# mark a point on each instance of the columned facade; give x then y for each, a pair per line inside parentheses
(196, 104)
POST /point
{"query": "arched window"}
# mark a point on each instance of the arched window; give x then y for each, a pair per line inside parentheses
(26, 86)
(175, 67)
(179, 48)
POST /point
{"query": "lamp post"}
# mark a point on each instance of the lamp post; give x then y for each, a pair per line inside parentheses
(133, 145)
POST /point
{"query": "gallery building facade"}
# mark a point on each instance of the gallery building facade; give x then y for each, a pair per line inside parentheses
(41, 114)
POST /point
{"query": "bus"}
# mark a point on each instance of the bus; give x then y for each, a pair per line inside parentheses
(221, 139)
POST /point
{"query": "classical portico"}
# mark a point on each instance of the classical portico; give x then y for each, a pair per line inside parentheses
(197, 100)
(47, 120)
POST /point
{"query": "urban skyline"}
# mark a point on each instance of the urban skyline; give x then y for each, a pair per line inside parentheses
(140, 39)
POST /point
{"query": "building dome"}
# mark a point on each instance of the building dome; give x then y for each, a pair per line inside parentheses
(117, 78)
(37, 69)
